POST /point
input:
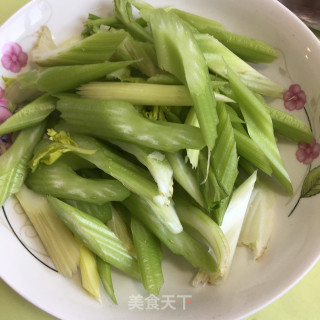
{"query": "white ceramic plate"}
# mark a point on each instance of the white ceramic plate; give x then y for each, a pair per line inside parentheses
(295, 243)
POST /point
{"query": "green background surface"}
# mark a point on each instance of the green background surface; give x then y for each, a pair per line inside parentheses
(299, 303)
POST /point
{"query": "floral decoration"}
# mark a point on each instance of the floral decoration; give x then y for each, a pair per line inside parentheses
(3, 102)
(294, 98)
(13, 57)
(306, 153)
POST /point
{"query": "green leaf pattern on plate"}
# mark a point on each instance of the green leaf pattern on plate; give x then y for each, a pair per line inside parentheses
(311, 185)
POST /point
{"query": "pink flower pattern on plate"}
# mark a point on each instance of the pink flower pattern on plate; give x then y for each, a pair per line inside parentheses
(3, 102)
(306, 153)
(13, 57)
(294, 98)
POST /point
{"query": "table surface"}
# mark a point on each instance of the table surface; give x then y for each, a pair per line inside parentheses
(300, 303)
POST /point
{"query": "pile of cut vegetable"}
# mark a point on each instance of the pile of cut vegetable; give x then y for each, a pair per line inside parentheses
(146, 131)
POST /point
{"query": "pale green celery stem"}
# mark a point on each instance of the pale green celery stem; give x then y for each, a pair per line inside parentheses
(218, 56)
(96, 236)
(181, 243)
(132, 177)
(208, 230)
(149, 255)
(30, 115)
(94, 49)
(120, 229)
(172, 37)
(157, 164)
(55, 236)
(193, 154)
(259, 220)
(142, 93)
(14, 163)
(260, 128)
(185, 176)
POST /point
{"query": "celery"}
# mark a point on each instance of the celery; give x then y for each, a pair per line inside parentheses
(123, 12)
(142, 93)
(259, 124)
(198, 221)
(14, 162)
(217, 56)
(188, 66)
(120, 229)
(30, 115)
(185, 176)
(96, 48)
(119, 120)
(133, 177)
(157, 164)
(105, 277)
(149, 256)
(55, 236)
(65, 78)
(96, 236)
(102, 212)
(59, 180)
(89, 272)
(181, 243)
(249, 49)
(143, 52)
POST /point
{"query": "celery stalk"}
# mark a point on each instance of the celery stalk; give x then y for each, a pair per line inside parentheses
(181, 243)
(249, 49)
(59, 180)
(149, 255)
(55, 236)
(142, 93)
(105, 277)
(217, 56)
(96, 236)
(30, 115)
(120, 229)
(14, 162)
(119, 120)
(188, 66)
(259, 124)
(96, 48)
(65, 78)
(89, 272)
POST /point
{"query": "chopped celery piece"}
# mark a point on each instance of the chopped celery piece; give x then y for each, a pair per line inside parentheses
(132, 177)
(258, 223)
(249, 150)
(157, 164)
(123, 12)
(103, 212)
(217, 56)
(142, 93)
(260, 129)
(30, 115)
(119, 120)
(14, 162)
(96, 48)
(95, 25)
(59, 180)
(192, 154)
(120, 229)
(249, 49)
(143, 52)
(105, 277)
(198, 221)
(163, 79)
(55, 236)
(185, 176)
(149, 255)
(181, 243)
(89, 272)
(65, 78)
(189, 66)
(231, 227)
(96, 236)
